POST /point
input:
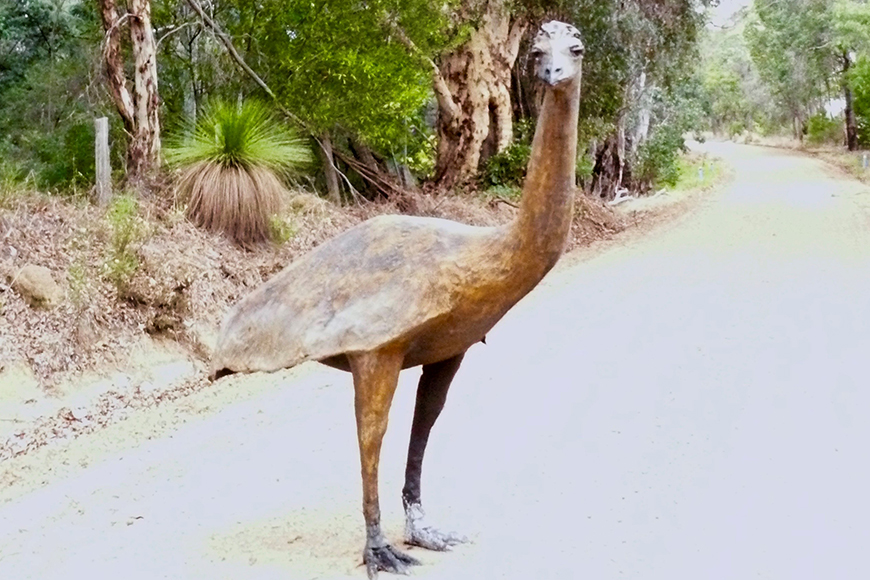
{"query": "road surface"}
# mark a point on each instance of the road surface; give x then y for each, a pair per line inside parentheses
(690, 404)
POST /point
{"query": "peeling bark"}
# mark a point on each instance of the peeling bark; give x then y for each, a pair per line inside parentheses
(144, 153)
(115, 79)
(477, 78)
(139, 111)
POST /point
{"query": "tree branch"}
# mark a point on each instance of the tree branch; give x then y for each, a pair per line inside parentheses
(443, 95)
(518, 29)
(173, 31)
(228, 44)
(117, 81)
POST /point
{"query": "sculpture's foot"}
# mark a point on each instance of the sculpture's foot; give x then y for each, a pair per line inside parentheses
(387, 559)
(419, 534)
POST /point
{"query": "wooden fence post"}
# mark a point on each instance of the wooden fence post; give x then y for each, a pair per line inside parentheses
(101, 158)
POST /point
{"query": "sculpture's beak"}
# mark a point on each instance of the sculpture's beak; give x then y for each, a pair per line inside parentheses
(556, 70)
(555, 77)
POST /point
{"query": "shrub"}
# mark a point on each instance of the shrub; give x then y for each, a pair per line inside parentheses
(822, 129)
(863, 130)
(231, 161)
(584, 168)
(859, 79)
(126, 228)
(658, 158)
(507, 168)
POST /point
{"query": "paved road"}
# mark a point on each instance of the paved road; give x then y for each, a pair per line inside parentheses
(689, 405)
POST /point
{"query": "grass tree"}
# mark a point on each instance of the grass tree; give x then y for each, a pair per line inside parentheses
(232, 163)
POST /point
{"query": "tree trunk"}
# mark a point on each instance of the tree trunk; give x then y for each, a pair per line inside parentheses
(143, 155)
(115, 65)
(641, 130)
(139, 111)
(472, 84)
(332, 186)
(608, 168)
(851, 121)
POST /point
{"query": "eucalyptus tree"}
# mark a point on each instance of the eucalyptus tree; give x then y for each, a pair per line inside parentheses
(791, 47)
(735, 97)
(638, 50)
(472, 84)
(851, 21)
(139, 110)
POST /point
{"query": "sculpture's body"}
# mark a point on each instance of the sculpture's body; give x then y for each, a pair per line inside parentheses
(398, 291)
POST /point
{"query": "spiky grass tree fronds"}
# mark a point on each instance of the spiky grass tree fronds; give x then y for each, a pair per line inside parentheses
(231, 162)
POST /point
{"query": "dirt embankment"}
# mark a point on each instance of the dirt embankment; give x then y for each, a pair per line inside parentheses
(136, 295)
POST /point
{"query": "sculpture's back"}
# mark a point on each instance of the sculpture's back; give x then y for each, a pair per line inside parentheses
(382, 281)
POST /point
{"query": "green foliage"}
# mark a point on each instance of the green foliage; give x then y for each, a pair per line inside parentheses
(49, 50)
(859, 80)
(802, 50)
(240, 135)
(792, 50)
(851, 22)
(334, 63)
(696, 172)
(658, 157)
(674, 113)
(822, 129)
(584, 167)
(507, 168)
(283, 229)
(735, 99)
(125, 229)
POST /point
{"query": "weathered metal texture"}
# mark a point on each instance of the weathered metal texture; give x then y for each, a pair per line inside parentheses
(391, 280)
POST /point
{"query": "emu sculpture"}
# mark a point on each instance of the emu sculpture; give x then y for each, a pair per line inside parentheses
(399, 291)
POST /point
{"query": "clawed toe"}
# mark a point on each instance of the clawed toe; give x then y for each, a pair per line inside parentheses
(432, 539)
(387, 559)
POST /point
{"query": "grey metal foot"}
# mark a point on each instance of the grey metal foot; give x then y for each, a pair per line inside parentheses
(417, 533)
(387, 559)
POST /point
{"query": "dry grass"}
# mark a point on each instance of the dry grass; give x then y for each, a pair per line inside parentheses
(231, 200)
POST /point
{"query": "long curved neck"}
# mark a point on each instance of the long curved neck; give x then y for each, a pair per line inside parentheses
(547, 205)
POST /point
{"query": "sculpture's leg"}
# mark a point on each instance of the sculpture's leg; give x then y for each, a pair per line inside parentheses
(375, 376)
(431, 394)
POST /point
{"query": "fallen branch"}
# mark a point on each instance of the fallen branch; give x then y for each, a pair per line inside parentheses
(498, 199)
(620, 197)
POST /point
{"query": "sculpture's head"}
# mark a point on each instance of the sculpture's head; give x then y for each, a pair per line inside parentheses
(558, 53)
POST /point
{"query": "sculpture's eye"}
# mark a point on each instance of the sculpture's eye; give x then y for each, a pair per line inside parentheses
(577, 50)
(536, 52)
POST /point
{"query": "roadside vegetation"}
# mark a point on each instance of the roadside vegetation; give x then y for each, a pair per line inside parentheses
(791, 69)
